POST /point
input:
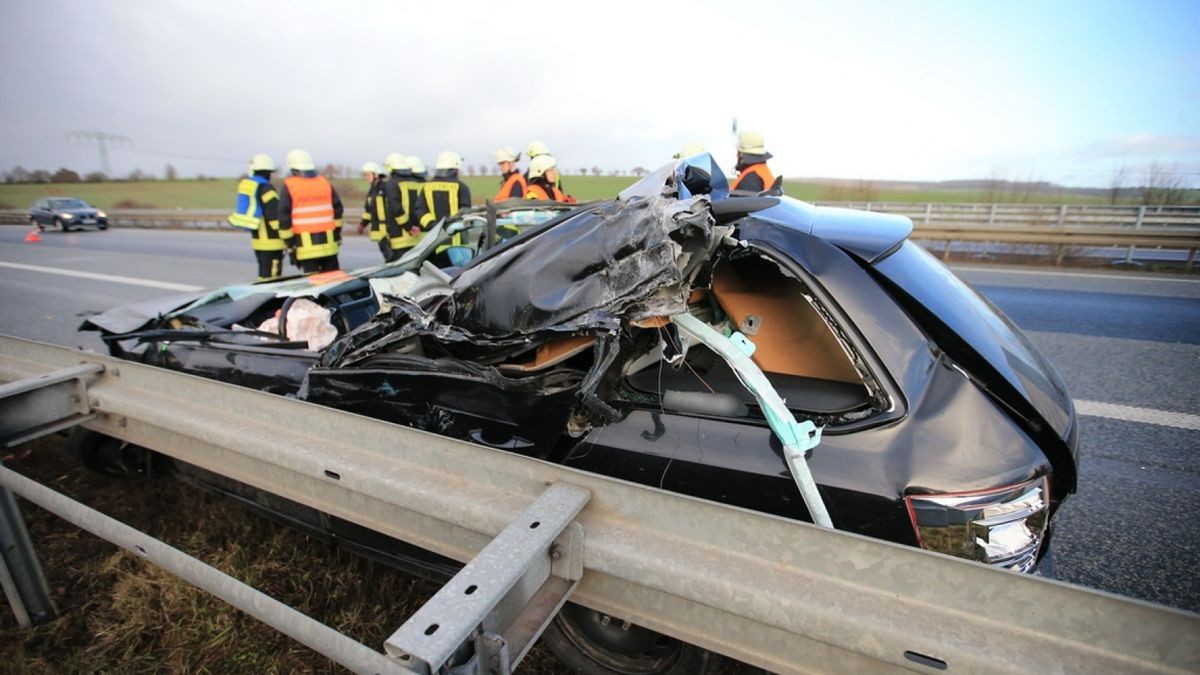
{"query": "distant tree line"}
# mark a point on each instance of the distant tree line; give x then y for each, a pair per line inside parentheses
(20, 174)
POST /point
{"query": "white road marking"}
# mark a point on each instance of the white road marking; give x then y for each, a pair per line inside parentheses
(1081, 275)
(133, 281)
(1130, 413)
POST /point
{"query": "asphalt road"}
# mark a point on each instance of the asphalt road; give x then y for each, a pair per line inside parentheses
(1128, 345)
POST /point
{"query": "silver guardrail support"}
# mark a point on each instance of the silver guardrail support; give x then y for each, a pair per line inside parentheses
(43, 404)
(503, 599)
(31, 408)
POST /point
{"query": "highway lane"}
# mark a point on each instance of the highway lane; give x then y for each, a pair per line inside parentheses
(1118, 338)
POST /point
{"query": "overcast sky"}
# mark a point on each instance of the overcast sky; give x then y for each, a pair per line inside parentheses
(1061, 91)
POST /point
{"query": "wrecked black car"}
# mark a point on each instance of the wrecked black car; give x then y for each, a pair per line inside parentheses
(809, 362)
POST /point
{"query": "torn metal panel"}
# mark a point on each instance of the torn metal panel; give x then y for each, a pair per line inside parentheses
(621, 261)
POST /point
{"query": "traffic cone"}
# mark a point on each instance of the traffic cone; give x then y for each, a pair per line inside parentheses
(33, 237)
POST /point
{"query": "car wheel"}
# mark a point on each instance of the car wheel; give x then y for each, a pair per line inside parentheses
(111, 456)
(593, 643)
(62, 225)
(102, 226)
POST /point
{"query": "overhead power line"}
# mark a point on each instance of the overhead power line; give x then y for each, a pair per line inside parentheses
(102, 139)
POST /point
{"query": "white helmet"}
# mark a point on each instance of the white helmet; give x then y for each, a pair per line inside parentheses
(299, 160)
(751, 143)
(414, 164)
(690, 150)
(536, 148)
(448, 160)
(538, 166)
(372, 167)
(261, 163)
(506, 154)
(395, 162)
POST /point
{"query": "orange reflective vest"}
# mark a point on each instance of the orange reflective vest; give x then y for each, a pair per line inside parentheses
(513, 187)
(312, 204)
(760, 170)
(539, 192)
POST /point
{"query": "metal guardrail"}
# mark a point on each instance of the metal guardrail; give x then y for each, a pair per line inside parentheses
(779, 594)
(1028, 215)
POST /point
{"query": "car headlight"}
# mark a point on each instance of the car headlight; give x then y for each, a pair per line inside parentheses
(67, 216)
(101, 214)
(1002, 527)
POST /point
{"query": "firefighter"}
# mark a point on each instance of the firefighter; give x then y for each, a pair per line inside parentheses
(512, 183)
(403, 231)
(442, 196)
(257, 210)
(752, 156)
(536, 148)
(310, 209)
(543, 172)
(373, 218)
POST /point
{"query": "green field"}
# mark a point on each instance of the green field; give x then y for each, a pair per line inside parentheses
(219, 193)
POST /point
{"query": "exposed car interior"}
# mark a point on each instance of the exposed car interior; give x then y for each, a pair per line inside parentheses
(799, 352)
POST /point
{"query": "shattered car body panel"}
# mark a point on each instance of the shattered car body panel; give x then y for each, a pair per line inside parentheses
(560, 344)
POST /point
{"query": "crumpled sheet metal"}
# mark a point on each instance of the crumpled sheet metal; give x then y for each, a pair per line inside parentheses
(626, 260)
(621, 261)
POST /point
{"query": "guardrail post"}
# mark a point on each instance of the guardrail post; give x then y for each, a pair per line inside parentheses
(1191, 261)
(1137, 225)
(1062, 215)
(928, 213)
(992, 215)
(20, 572)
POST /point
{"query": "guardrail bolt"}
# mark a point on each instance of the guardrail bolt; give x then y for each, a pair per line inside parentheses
(605, 619)
(556, 552)
(94, 402)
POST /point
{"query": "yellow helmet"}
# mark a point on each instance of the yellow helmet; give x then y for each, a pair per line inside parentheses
(751, 143)
(299, 160)
(536, 148)
(372, 167)
(538, 166)
(448, 160)
(690, 150)
(395, 162)
(414, 164)
(506, 154)
(261, 163)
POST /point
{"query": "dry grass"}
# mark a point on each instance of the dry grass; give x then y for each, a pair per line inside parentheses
(120, 614)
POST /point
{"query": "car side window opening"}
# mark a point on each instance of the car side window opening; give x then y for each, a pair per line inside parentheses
(795, 347)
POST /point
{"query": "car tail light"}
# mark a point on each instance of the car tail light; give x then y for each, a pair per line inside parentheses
(1002, 527)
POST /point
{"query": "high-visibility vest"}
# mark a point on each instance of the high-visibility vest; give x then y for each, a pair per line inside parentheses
(432, 189)
(539, 192)
(409, 189)
(514, 180)
(247, 214)
(373, 211)
(313, 222)
(759, 170)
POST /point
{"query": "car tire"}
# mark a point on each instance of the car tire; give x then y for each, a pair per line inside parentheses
(62, 225)
(592, 643)
(102, 226)
(111, 456)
